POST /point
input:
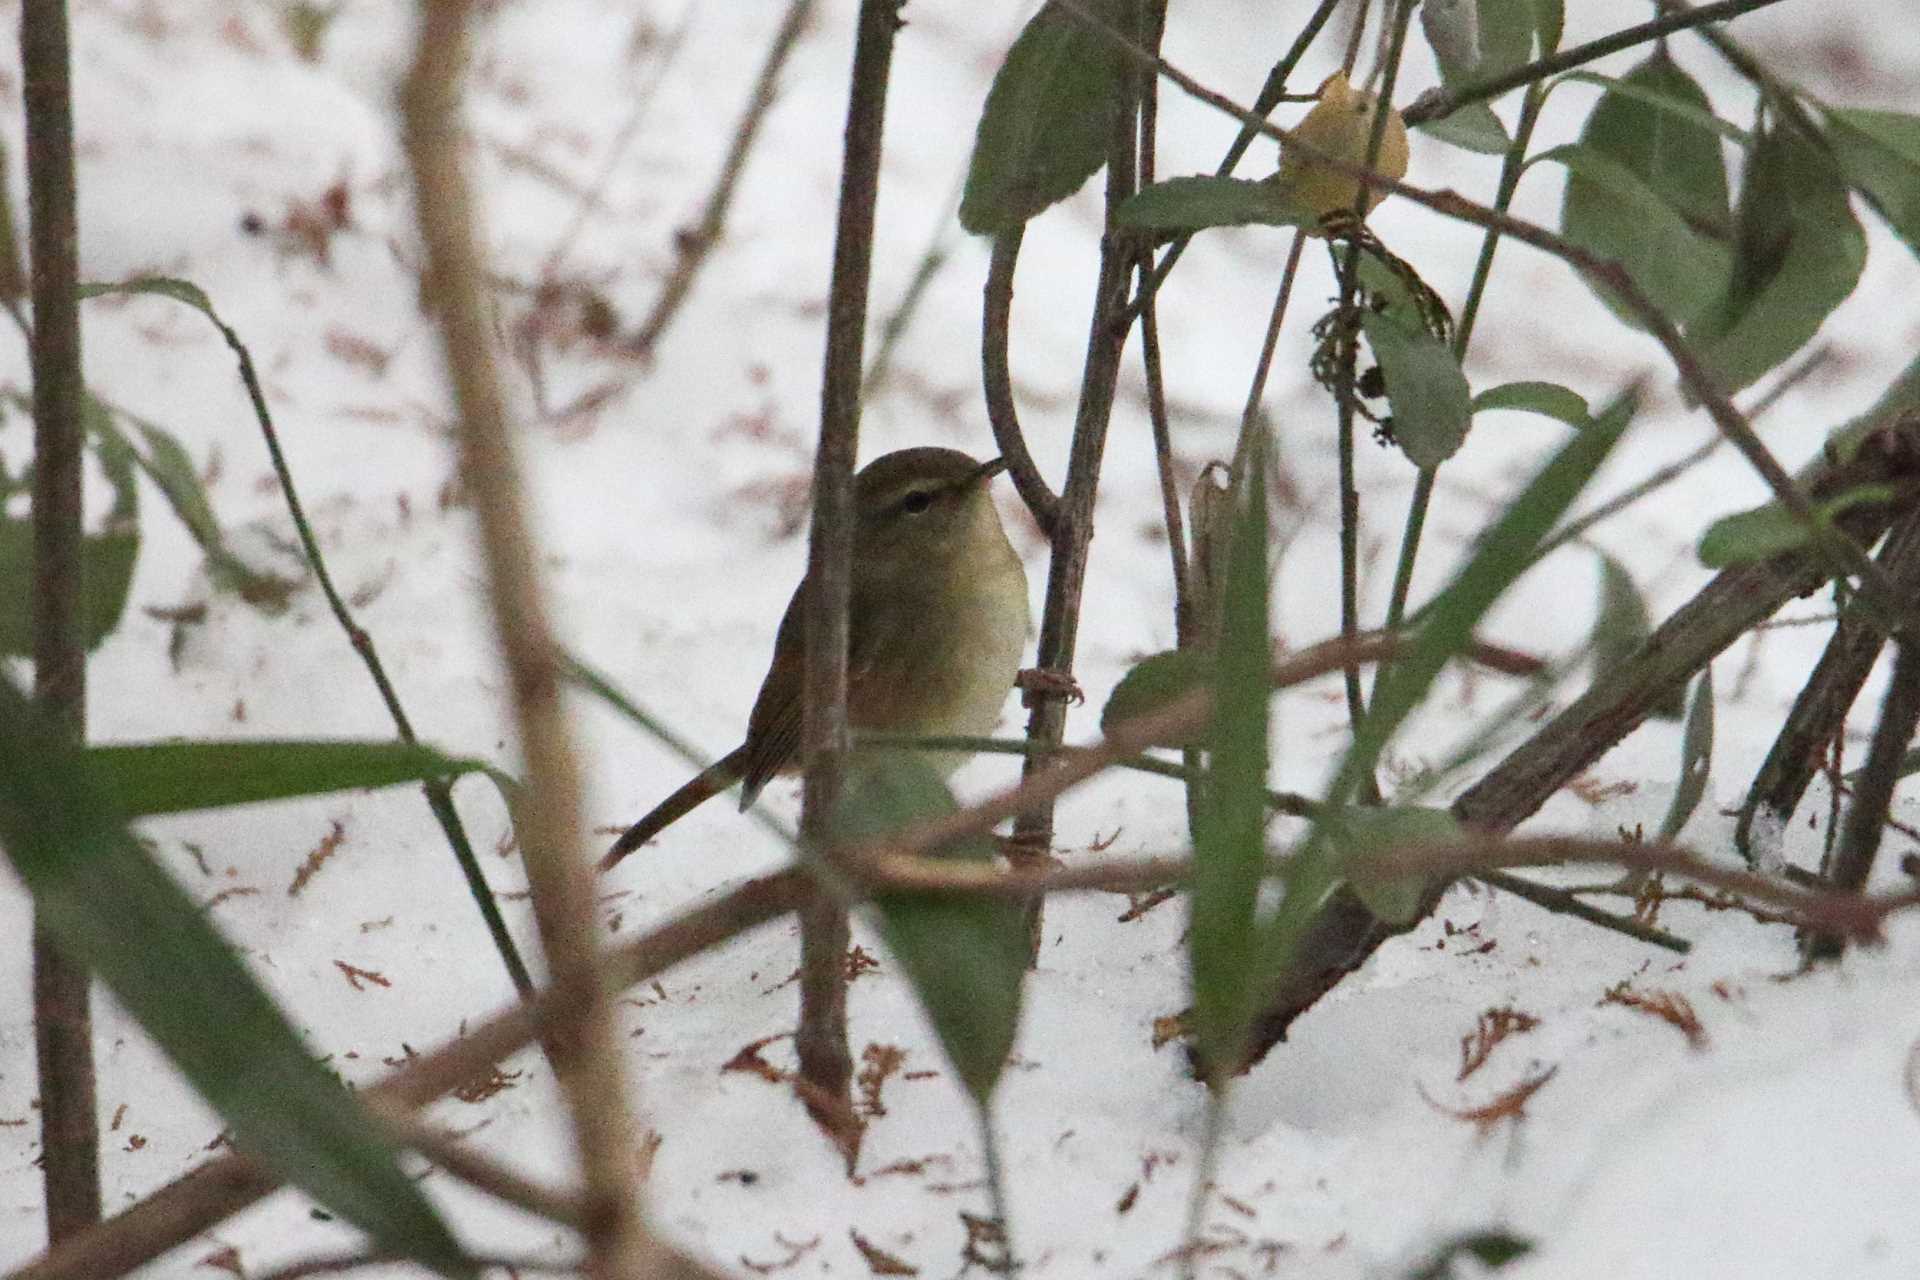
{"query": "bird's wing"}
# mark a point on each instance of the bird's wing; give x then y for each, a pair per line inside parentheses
(773, 730)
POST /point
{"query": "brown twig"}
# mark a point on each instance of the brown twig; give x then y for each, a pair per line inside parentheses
(996, 379)
(1444, 102)
(587, 1049)
(1072, 532)
(1666, 475)
(1272, 94)
(1820, 709)
(1701, 383)
(478, 1170)
(1848, 913)
(62, 1013)
(696, 242)
(1873, 790)
(1729, 605)
(821, 1040)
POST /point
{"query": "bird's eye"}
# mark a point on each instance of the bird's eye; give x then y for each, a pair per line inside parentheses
(916, 502)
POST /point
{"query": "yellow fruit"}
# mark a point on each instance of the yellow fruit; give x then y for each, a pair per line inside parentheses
(1340, 124)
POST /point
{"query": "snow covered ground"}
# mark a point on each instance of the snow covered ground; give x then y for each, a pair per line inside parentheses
(1783, 1140)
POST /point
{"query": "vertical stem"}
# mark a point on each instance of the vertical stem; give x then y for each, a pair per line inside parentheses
(1156, 19)
(63, 1019)
(1820, 709)
(1873, 791)
(585, 1047)
(1510, 171)
(1270, 95)
(822, 1036)
(1349, 493)
(1073, 528)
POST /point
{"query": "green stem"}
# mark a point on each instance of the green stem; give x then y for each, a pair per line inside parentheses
(1446, 102)
(1349, 493)
(1272, 93)
(1510, 171)
(997, 1185)
(439, 794)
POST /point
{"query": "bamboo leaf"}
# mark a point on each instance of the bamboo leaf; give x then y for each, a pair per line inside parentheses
(1696, 758)
(1361, 831)
(1621, 626)
(1879, 153)
(1473, 127)
(1677, 156)
(147, 778)
(107, 561)
(112, 909)
(1229, 854)
(1686, 107)
(1503, 552)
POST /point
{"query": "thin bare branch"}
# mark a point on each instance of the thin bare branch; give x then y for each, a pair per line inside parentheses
(478, 1170)
(996, 379)
(587, 1049)
(1820, 709)
(696, 242)
(821, 1040)
(1873, 791)
(62, 1009)
(1444, 102)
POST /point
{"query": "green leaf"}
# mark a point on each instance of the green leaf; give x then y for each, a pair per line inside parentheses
(1359, 832)
(1766, 531)
(1492, 1250)
(158, 286)
(1549, 19)
(1696, 758)
(966, 957)
(1879, 152)
(1504, 551)
(1229, 847)
(1506, 36)
(1799, 252)
(110, 908)
(106, 560)
(1548, 399)
(1452, 28)
(1155, 682)
(1621, 626)
(1473, 127)
(146, 778)
(1686, 108)
(1046, 124)
(1678, 158)
(1202, 201)
(1611, 212)
(1432, 404)
(167, 465)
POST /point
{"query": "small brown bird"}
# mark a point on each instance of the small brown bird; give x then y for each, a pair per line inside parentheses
(935, 628)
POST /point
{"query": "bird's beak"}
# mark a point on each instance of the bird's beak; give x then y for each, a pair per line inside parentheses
(986, 471)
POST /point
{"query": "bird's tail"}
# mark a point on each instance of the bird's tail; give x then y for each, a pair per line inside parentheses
(703, 786)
